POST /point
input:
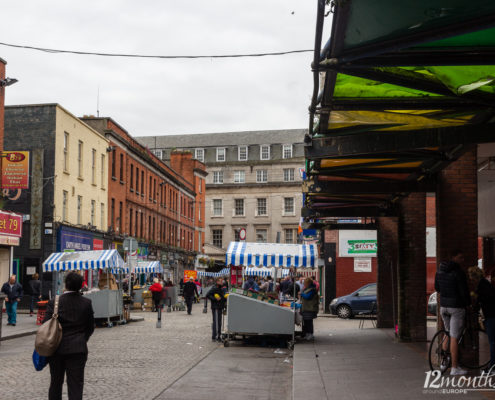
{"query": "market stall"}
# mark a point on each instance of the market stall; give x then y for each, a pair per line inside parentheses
(107, 298)
(250, 313)
(148, 268)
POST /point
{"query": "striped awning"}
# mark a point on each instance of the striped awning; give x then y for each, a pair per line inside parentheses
(272, 255)
(83, 260)
(147, 267)
(259, 271)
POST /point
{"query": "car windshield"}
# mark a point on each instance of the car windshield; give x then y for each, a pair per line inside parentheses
(367, 291)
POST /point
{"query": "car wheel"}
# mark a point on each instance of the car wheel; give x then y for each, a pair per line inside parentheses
(344, 311)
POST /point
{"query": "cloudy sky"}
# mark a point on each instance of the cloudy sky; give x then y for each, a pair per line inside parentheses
(148, 96)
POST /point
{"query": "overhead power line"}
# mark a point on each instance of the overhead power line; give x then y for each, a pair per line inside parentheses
(90, 53)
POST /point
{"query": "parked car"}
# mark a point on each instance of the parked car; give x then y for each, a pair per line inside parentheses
(432, 304)
(359, 301)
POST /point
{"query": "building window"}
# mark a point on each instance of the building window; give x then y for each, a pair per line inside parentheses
(217, 237)
(289, 235)
(261, 175)
(113, 162)
(261, 206)
(288, 174)
(93, 166)
(65, 199)
(136, 224)
(239, 207)
(242, 152)
(261, 235)
(289, 205)
(142, 183)
(237, 233)
(120, 217)
(132, 177)
(265, 152)
(79, 159)
(137, 180)
(66, 152)
(131, 214)
(200, 185)
(199, 154)
(239, 176)
(103, 170)
(141, 229)
(199, 210)
(121, 171)
(102, 215)
(112, 215)
(93, 211)
(287, 151)
(217, 207)
(158, 153)
(220, 154)
(79, 209)
(150, 189)
(217, 176)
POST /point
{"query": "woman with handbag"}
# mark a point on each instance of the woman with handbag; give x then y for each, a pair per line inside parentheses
(75, 314)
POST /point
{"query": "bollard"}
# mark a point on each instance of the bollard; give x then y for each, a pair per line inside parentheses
(205, 309)
(159, 320)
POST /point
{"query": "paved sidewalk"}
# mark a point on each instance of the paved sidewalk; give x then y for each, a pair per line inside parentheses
(345, 362)
(25, 325)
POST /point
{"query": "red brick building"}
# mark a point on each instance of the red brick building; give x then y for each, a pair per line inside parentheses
(160, 205)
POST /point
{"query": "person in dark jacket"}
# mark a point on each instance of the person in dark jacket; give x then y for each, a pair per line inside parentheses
(35, 288)
(156, 293)
(484, 295)
(250, 284)
(217, 300)
(75, 314)
(190, 292)
(309, 310)
(14, 293)
(451, 284)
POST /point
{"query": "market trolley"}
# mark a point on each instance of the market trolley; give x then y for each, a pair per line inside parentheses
(249, 314)
(108, 301)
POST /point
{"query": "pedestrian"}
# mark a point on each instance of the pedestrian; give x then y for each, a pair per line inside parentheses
(156, 293)
(75, 314)
(190, 293)
(14, 293)
(267, 286)
(451, 283)
(35, 289)
(484, 295)
(217, 300)
(309, 310)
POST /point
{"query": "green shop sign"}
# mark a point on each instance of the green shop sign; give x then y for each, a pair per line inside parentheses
(362, 246)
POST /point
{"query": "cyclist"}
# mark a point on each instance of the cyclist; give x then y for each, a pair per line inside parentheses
(451, 284)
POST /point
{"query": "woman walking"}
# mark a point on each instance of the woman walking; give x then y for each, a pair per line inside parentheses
(35, 288)
(309, 310)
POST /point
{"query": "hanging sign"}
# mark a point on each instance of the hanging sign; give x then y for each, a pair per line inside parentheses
(190, 274)
(15, 169)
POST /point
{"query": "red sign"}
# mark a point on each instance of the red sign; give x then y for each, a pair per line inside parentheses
(190, 274)
(15, 170)
(97, 244)
(10, 224)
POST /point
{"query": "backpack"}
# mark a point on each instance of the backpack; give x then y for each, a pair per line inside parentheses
(49, 334)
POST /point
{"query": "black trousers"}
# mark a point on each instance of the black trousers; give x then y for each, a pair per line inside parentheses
(189, 303)
(307, 326)
(217, 323)
(72, 365)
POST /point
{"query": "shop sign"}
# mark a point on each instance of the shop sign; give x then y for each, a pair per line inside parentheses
(190, 274)
(10, 224)
(362, 246)
(15, 169)
(73, 240)
(9, 240)
(97, 244)
(357, 243)
(362, 265)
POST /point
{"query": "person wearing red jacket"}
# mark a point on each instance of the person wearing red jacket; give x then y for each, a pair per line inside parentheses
(156, 293)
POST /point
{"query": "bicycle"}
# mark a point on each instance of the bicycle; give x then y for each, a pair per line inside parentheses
(441, 359)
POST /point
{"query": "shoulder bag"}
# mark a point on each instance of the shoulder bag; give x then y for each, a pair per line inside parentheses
(49, 334)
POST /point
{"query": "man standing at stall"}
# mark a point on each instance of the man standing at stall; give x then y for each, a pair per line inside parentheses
(190, 292)
(14, 293)
(217, 299)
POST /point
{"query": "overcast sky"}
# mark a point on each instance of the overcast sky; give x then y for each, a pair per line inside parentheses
(149, 97)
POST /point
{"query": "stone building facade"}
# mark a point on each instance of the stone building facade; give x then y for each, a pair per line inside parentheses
(254, 182)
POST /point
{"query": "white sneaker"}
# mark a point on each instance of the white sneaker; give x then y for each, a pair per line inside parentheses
(458, 371)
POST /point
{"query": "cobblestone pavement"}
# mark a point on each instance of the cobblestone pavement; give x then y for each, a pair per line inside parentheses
(134, 361)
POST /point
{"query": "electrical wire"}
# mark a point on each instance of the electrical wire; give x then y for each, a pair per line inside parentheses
(90, 53)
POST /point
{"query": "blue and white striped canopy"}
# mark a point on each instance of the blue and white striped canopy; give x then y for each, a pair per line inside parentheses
(83, 260)
(272, 255)
(259, 271)
(145, 267)
(223, 272)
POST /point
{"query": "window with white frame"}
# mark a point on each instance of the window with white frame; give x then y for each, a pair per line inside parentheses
(102, 216)
(199, 154)
(288, 174)
(265, 152)
(287, 151)
(79, 159)
(158, 153)
(261, 235)
(93, 166)
(221, 154)
(217, 207)
(217, 237)
(239, 176)
(261, 175)
(217, 176)
(65, 199)
(239, 207)
(242, 152)
(261, 206)
(289, 205)
(103, 171)
(289, 235)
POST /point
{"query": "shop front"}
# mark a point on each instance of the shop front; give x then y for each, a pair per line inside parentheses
(10, 236)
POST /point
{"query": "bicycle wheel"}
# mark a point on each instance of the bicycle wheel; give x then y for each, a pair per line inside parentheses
(481, 349)
(438, 358)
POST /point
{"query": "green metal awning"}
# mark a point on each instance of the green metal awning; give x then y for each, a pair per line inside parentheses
(405, 87)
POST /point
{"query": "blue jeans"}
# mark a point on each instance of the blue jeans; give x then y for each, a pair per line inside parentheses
(490, 332)
(11, 307)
